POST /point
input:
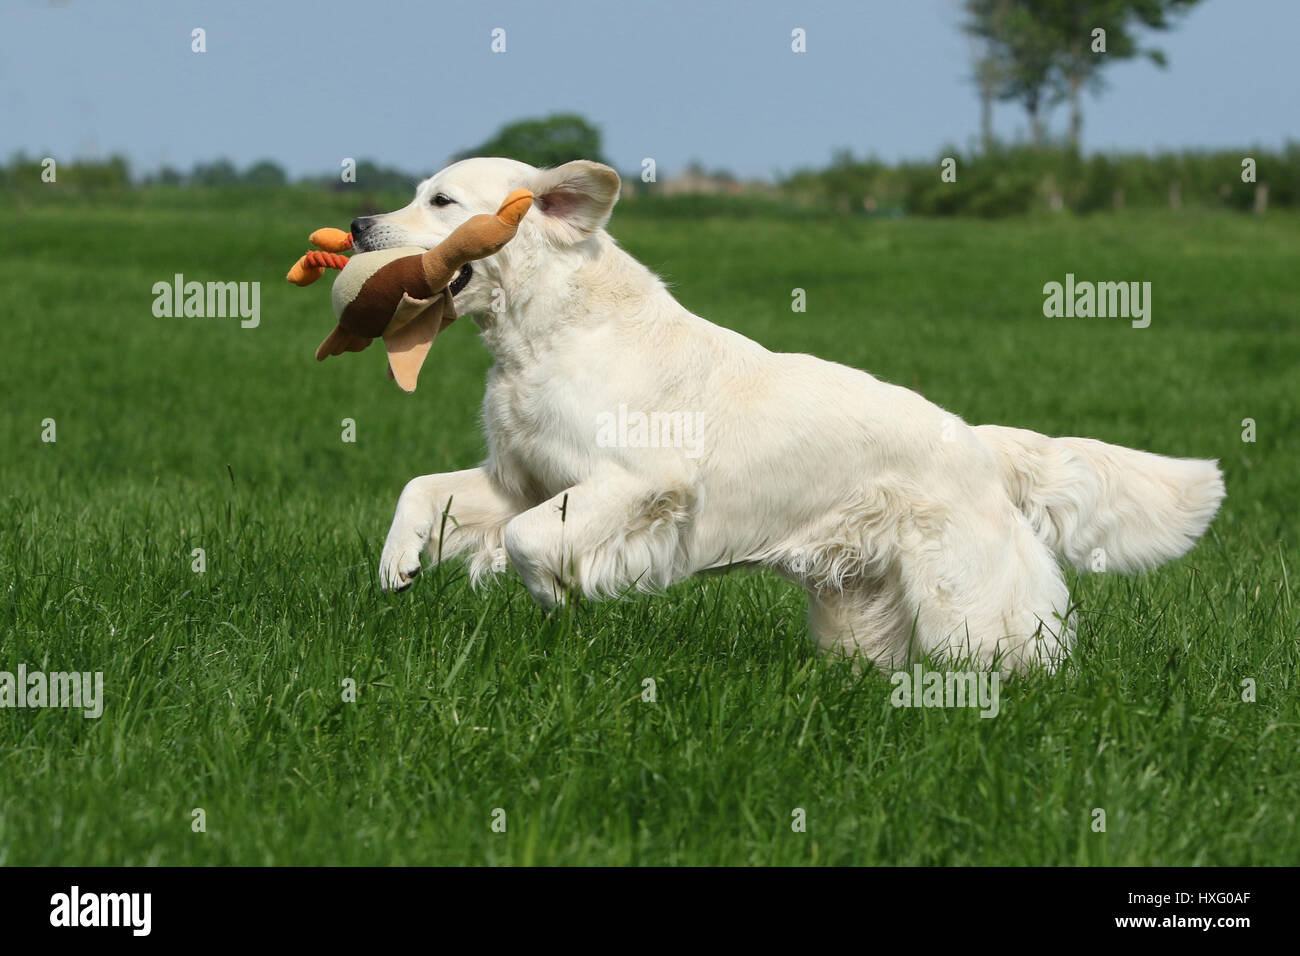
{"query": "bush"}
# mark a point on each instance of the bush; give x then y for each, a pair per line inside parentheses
(1015, 180)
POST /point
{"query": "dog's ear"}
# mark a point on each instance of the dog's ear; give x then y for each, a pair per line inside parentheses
(574, 200)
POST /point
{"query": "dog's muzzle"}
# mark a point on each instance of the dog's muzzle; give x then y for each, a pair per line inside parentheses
(462, 279)
(359, 227)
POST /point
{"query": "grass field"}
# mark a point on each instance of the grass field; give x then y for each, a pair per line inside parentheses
(223, 688)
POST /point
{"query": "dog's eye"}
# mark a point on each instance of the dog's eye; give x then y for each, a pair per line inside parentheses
(442, 199)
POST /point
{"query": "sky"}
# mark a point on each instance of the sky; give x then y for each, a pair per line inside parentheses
(410, 82)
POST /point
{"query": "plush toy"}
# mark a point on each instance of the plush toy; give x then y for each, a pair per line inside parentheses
(403, 294)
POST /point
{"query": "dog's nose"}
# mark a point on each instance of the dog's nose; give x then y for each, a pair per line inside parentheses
(359, 227)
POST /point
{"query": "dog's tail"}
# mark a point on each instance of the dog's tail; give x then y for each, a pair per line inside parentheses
(1102, 507)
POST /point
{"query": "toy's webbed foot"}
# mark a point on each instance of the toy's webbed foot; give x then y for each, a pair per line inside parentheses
(331, 240)
(312, 266)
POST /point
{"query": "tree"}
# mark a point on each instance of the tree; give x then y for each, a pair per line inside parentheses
(549, 141)
(986, 81)
(220, 172)
(1017, 59)
(1119, 18)
(167, 176)
(1041, 52)
(265, 173)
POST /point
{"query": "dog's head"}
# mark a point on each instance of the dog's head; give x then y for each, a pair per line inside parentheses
(571, 203)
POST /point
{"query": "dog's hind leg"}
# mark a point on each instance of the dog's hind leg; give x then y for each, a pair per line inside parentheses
(446, 515)
(865, 621)
(986, 591)
(977, 588)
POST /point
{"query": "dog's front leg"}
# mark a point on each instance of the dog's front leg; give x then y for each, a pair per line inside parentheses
(447, 515)
(601, 538)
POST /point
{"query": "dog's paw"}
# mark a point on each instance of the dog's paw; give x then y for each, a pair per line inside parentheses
(400, 562)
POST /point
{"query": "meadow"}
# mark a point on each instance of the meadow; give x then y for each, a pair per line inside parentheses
(224, 689)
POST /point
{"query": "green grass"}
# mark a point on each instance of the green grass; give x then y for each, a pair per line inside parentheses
(223, 689)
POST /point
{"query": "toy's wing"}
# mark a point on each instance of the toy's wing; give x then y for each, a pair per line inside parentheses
(408, 339)
(340, 341)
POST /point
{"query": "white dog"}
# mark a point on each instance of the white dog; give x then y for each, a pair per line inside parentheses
(911, 531)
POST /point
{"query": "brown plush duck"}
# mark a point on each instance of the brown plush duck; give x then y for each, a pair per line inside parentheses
(402, 294)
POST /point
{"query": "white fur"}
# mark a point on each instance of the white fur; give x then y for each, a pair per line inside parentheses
(911, 531)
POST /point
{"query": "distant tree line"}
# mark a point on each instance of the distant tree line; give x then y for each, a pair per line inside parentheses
(24, 171)
(1014, 180)
(997, 179)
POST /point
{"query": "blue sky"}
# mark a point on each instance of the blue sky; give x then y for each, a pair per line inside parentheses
(409, 83)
